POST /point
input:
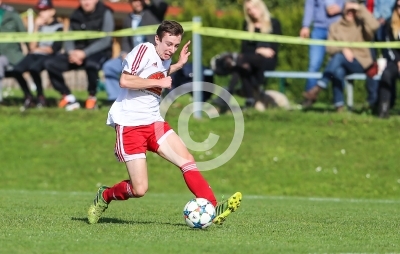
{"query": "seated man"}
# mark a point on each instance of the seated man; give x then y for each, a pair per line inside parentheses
(356, 25)
(45, 22)
(10, 53)
(145, 12)
(92, 15)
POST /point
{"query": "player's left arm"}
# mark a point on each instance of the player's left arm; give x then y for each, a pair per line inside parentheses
(183, 58)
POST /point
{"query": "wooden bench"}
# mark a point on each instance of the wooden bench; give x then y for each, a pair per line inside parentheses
(283, 75)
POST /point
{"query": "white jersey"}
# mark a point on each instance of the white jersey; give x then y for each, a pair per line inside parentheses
(135, 107)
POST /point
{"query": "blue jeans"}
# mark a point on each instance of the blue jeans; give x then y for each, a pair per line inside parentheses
(112, 72)
(372, 85)
(336, 70)
(316, 54)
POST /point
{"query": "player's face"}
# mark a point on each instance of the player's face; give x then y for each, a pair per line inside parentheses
(137, 6)
(168, 45)
(88, 5)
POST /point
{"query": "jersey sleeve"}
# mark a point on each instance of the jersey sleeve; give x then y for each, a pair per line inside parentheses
(135, 62)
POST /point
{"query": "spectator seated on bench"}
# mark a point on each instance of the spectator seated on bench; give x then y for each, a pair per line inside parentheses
(45, 22)
(88, 54)
(10, 53)
(356, 25)
(387, 85)
(255, 57)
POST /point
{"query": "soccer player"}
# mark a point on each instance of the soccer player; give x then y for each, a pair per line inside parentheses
(139, 127)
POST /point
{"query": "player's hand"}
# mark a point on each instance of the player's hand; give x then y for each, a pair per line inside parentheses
(348, 54)
(165, 82)
(184, 55)
(398, 65)
(305, 32)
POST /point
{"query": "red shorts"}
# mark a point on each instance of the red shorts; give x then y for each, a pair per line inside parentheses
(132, 142)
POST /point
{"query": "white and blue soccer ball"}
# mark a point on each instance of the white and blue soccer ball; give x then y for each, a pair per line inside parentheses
(199, 213)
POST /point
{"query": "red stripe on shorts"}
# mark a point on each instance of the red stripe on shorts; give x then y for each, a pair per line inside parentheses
(119, 143)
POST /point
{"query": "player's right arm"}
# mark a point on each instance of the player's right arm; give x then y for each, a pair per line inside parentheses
(130, 81)
(133, 65)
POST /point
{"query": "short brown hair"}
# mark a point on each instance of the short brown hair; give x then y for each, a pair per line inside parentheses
(171, 27)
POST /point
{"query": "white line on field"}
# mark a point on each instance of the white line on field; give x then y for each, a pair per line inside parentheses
(313, 199)
(316, 199)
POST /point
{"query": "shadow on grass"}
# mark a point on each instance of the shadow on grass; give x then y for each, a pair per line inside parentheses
(51, 102)
(119, 221)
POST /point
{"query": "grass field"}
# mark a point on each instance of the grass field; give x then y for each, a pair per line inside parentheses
(55, 222)
(311, 181)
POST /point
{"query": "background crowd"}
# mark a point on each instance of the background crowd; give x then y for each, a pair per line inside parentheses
(337, 20)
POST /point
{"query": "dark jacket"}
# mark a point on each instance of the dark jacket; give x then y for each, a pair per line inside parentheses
(394, 53)
(55, 26)
(81, 21)
(11, 22)
(251, 46)
(152, 15)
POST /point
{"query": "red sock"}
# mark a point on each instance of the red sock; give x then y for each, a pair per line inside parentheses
(120, 191)
(196, 183)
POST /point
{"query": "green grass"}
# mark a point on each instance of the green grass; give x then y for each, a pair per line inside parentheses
(55, 222)
(73, 151)
(52, 161)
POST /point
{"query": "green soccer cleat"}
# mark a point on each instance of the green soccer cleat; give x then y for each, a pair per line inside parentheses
(99, 206)
(226, 207)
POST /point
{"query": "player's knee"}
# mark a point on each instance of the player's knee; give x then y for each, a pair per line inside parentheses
(140, 191)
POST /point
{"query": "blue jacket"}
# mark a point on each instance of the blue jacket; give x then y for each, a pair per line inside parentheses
(383, 9)
(315, 13)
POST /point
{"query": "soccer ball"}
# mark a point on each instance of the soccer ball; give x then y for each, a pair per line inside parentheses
(199, 213)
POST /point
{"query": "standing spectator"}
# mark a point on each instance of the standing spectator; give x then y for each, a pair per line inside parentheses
(320, 14)
(388, 80)
(145, 12)
(257, 57)
(46, 22)
(382, 11)
(90, 54)
(356, 25)
(10, 53)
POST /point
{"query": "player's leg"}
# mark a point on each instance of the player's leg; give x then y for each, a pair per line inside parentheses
(129, 149)
(168, 145)
(172, 148)
(136, 187)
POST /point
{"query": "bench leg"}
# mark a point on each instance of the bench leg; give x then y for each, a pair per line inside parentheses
(1, 90)
(282, 85)
(350, 93)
